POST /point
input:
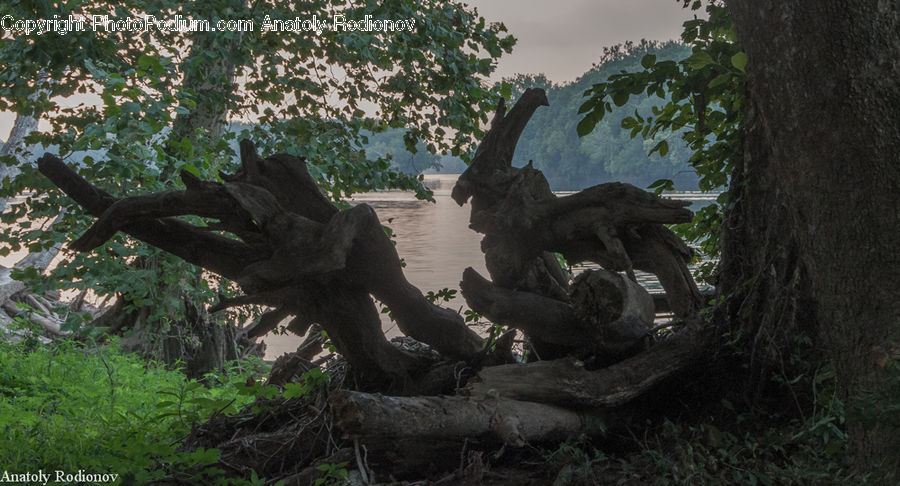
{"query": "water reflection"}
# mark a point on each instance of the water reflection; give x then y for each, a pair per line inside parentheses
(433, 239)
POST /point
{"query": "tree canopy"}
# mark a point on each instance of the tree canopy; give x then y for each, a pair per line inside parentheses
(167, 95)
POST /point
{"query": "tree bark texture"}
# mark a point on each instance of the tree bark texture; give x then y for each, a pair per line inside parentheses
(509, 421)
(811, 245)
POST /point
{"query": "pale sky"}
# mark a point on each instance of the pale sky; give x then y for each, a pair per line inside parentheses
(563, 38)
(560, 38)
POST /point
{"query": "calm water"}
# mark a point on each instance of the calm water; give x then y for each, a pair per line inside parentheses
(435, 241)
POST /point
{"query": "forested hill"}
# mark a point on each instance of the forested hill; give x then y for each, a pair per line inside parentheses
(550, 140)
(608, 153)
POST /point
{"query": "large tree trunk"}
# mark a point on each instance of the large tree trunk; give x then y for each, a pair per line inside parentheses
(811, 245)
(187, 339)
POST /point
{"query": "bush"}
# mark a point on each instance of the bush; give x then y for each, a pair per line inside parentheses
(72, 407)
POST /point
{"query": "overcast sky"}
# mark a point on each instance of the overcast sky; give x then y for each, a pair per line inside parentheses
(561, 38)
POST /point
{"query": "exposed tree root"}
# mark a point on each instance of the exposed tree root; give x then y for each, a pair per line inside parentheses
(449, 403)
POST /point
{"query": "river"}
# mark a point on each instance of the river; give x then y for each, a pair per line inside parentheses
(436, 243)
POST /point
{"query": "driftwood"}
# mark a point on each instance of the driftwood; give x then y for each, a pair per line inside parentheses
(600, 312)
(605, 314)
(615, 225)
(293, 251)
(509, 421)
(39, 311)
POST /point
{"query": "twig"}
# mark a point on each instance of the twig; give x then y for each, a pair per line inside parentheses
(360, 463)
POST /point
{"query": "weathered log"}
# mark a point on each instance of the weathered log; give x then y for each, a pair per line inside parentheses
(656, 249)
(566, 382)
(302, 247)
(363, 415)
(617, 310)
(534, 314)
(47, 322)
(11, 334)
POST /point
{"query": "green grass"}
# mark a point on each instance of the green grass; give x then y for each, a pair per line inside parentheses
(75, 407)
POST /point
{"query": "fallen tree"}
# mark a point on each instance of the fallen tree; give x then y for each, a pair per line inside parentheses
(268, 228)
(293, 251)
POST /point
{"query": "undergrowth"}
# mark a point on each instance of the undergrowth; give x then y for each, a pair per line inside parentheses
(723, 445)
(71, 407)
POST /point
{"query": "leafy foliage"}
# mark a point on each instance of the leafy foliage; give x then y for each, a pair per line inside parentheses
(165, 96)
(608, 153)
(391, 145)
(708, 453)
(724, 444)
(334, 474)
(703, 98)
(72, 406)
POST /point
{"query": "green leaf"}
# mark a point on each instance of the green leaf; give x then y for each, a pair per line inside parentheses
(720, 80)
(620, 98)
(145, 61)
(699, 60)
(648, 61)
(662, 185)
(739, 61)
(190, 168)
(294, 390)
(587, 124)
(662, 147)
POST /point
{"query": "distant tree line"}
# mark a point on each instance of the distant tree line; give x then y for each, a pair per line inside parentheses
(550, 140)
